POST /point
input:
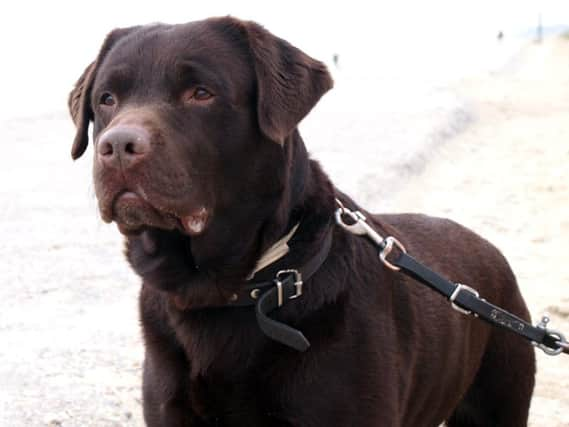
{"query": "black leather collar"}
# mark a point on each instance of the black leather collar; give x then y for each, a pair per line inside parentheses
(286, 285)
(292, 278)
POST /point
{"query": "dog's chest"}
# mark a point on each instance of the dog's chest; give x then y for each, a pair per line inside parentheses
(228, 373)
(220, 403)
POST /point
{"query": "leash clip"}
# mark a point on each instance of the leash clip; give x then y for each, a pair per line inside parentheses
(360, 227)
(560, 341)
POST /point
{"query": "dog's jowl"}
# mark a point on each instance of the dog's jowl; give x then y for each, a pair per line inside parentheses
(198, 161)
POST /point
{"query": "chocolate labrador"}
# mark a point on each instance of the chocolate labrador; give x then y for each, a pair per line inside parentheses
(198, 160)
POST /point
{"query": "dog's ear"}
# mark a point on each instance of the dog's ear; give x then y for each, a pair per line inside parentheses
(79, 101)
(289, 82)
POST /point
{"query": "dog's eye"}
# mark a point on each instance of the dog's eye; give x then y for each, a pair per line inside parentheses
(107, 99)
(201, 94)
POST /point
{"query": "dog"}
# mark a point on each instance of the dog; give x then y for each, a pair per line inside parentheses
(199, 162)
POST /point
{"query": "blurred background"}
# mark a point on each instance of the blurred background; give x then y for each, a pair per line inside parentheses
(400, 59)
(381, 40)
(448, 107)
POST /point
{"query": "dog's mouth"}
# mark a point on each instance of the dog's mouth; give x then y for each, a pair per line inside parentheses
(133, 213)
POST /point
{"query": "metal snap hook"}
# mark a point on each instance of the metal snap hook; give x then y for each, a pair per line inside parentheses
(560, 339)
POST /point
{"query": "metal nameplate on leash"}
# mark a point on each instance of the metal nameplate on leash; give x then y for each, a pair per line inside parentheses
(463, 298)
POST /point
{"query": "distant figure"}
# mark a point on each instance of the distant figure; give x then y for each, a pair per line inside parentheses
(500, 36)
(539, 35)
(336, 60)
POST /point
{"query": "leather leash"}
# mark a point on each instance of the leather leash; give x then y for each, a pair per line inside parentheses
(464, 299)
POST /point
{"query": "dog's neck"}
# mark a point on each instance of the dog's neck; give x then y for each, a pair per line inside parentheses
(291, 205)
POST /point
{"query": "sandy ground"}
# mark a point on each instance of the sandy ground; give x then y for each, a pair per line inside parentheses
(70, 349)
(507, 177)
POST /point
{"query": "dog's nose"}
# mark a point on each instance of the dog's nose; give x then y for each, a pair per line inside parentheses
(123, 145)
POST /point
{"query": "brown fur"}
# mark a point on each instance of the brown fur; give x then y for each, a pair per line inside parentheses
(385, 350)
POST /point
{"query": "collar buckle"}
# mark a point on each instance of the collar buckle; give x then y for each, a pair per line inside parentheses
(297, 280)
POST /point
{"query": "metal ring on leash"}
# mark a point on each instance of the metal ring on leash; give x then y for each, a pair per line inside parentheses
(560, 339)
(563, 345)
(389, 242)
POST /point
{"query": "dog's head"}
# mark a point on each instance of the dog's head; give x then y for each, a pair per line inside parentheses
(191, 122)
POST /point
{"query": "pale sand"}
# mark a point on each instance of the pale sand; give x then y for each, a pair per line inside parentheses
(507, 178)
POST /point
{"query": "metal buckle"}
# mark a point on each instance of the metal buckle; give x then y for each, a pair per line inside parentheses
(297, 283)
(389, 242)
(460, 287)
(561, 342)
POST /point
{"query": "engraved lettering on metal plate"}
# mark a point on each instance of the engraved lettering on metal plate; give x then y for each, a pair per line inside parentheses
(506, 321)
